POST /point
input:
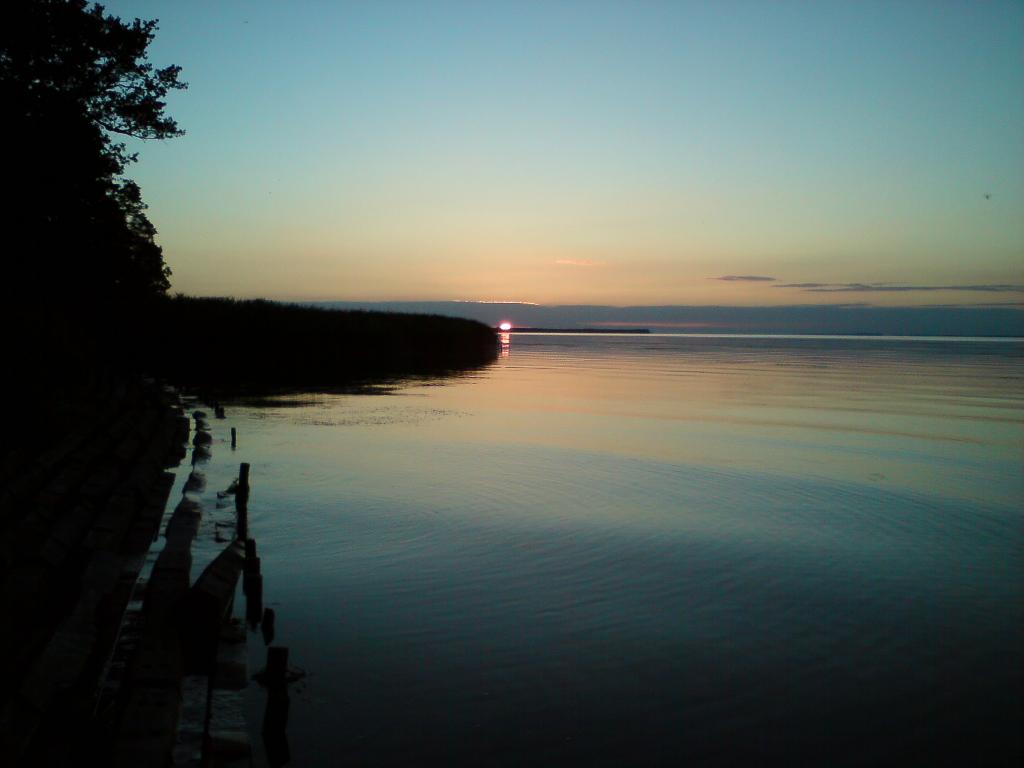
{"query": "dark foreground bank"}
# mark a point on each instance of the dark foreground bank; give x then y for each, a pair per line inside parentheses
(75, 523)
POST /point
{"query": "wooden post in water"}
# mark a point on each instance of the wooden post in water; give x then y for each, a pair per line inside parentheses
(276, 680)
(242, 502)
(275, 717)
(234, 438)
(268, 625)
(277, 667)
(243, 480)
(252, 568)
(253, 585)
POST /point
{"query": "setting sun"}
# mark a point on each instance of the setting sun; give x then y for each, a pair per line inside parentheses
(505, 326)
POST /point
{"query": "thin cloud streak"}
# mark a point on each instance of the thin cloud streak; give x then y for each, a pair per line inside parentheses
(651, 324)
(578, 262)
(889, 288)
(744, 278)
(496, 301)
(976, 305)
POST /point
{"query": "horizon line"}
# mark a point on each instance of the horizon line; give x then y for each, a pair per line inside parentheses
(804, 305)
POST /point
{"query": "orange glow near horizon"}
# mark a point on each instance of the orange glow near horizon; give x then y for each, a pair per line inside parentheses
(505, 326)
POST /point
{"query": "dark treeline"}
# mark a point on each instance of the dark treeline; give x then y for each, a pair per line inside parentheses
(223, 347)
(229, 346)
(81, 265)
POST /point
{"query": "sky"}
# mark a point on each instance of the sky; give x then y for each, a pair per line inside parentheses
(732, 153)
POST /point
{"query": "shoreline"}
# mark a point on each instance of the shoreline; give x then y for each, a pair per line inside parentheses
(91, 506)
(121, 646)
(639, 331)
(89, 650)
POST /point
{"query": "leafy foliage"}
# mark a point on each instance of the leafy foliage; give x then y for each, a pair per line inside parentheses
(71, 79)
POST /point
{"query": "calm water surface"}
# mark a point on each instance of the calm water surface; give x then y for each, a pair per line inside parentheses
(609, 550)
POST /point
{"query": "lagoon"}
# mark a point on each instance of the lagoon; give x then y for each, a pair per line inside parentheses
(657, 549)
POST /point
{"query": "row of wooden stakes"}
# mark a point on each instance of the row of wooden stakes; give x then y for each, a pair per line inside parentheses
(275, 675)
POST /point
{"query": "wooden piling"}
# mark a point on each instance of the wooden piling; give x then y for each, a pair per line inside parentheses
(275, 745)
(250, 568)
(277, 667)
(253, 585)
(241, 520)
(243, 480)
(268, 625)
(234, 438)
(242, 502)
(275, 716)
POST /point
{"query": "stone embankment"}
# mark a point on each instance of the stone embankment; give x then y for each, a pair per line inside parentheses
(76, 523)
(183, 650)
(112, 654)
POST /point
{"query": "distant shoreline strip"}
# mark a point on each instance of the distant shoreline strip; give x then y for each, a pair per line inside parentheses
(578, 330)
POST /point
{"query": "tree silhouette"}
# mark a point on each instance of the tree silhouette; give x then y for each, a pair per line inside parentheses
(72, 79)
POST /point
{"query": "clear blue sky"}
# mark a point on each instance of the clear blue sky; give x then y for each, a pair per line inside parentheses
(619, 153)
